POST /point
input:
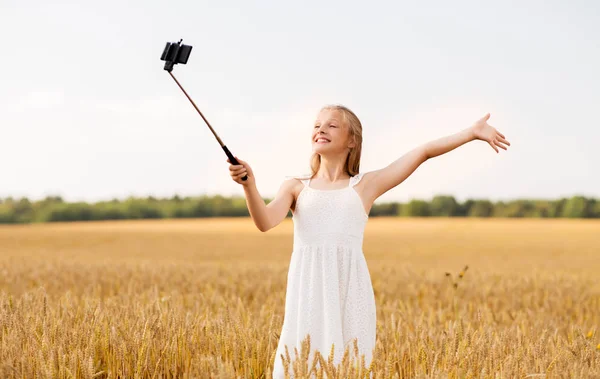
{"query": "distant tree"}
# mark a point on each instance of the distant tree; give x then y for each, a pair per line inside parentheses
(444, 205)
(384, 209)
(66, 212)
(6, 214)
(22, 211)
(53, 199)
(596, 209)
(557, 207)
(577, 207)
(140, 209)
(465, 208)
(541, 209)
(416, 207)
(481, 208)
(519, 208)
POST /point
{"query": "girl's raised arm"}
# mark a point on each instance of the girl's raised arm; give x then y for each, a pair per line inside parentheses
(380, 181)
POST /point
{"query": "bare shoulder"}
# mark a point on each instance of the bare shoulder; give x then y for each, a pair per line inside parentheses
(294, 185)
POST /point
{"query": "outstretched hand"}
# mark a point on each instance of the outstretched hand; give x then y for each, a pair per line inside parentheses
(485, 132)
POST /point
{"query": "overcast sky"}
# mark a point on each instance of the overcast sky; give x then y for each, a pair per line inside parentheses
(87, 111)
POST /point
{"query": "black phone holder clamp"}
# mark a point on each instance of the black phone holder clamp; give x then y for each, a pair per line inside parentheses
(175, 53)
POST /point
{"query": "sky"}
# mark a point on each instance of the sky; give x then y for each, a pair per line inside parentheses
(87, 111)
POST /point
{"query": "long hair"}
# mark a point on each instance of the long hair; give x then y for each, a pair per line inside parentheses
(355, 128)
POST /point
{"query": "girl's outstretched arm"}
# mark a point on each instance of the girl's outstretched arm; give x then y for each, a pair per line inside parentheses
(380, 181)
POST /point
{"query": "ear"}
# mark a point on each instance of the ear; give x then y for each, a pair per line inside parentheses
(352, 143)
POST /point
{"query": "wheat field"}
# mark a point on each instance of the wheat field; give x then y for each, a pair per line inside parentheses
(456, 298)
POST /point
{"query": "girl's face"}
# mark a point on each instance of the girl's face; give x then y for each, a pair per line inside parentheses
(330, 133)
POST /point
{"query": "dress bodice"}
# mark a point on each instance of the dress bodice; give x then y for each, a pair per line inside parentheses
(330, 217)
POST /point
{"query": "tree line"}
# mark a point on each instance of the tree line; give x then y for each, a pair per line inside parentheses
(54, 208)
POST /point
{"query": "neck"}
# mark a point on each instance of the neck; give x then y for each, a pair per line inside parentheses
(332, 169)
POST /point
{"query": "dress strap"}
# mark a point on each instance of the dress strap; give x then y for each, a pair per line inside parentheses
(305, 179)
(355, 179)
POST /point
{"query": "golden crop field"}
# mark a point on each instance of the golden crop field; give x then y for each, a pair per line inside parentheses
(205, 298)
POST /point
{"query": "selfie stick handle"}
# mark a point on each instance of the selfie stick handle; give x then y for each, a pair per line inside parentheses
(227, 152)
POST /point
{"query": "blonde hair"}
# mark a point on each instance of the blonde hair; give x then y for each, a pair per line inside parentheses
(355, 128)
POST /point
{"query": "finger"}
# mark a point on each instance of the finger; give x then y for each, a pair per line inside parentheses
(486, 117)
(503, 140)
(237, 172)
(493, 147)
(499, 140)
(500, 134)
(499, 145)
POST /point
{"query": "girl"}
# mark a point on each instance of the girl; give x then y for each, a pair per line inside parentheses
(329, 293)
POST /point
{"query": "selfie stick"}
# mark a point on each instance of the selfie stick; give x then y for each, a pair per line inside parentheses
(178, 53)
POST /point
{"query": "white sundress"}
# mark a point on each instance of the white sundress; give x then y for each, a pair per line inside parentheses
(329, 292)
